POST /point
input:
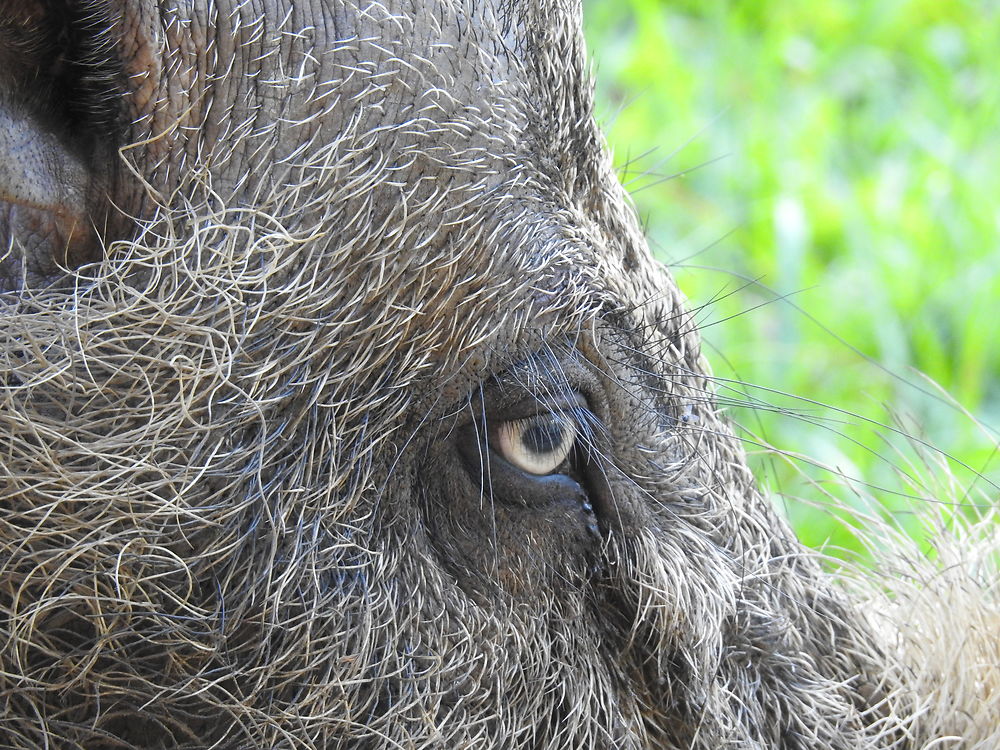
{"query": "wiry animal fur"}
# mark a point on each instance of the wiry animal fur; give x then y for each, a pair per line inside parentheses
(232, 513)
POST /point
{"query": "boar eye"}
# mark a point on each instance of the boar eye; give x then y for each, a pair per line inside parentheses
(539, 444)
(533, 454)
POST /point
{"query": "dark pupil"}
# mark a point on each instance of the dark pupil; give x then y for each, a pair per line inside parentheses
(543, 437)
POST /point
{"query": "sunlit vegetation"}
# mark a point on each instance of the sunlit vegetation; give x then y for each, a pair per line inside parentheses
(824, 180)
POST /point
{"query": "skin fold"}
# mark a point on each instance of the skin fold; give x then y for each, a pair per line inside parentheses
(278, 275)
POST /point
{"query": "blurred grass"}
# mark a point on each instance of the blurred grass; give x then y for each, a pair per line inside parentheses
(844, 154)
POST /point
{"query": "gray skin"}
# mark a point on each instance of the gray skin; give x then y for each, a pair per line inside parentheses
(280, 278)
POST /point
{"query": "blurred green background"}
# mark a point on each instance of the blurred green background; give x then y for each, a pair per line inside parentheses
(824, 181)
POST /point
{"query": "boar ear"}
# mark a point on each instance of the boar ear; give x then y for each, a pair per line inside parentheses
(60, 94)
(58, 56)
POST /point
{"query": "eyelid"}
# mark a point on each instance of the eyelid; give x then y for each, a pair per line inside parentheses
(565, 403)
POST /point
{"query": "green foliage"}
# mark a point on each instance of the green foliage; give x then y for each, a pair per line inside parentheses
(845, 155)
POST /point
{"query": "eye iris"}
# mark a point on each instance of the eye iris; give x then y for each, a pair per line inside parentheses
(542, 438)
(538, 445)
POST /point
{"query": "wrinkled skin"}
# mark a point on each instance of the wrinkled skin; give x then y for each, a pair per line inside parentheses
(276, 270)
